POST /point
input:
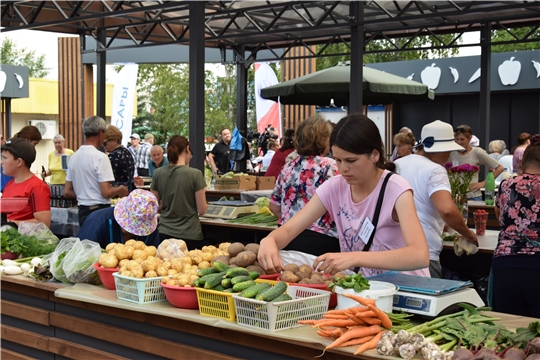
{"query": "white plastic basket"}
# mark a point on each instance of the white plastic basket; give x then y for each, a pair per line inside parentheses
(140, 291)
(307, 304)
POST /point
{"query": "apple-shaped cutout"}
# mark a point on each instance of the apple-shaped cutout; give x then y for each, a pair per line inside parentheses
(3, 79)
(20, 80)
(509, 71)
(430, 76)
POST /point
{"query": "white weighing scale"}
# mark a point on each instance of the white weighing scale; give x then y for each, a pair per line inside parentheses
(230, 209)
(429, 296)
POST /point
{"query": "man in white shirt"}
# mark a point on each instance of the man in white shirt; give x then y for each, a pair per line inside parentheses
(89, 173)
(141, 154)
(432, 193)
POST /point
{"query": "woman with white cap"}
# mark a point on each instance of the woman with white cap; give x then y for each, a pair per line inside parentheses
(432, 193)
(133, 217)
(373, 209)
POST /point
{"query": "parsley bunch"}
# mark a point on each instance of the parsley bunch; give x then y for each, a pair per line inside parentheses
(27, 246)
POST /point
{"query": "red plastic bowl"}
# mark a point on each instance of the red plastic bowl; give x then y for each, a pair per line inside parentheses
(181, 297)
(270, 276)
(106, 276)
(11, 205)
(333, 297)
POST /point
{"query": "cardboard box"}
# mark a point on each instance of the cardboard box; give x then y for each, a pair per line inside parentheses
(236, 182)
(266, 182)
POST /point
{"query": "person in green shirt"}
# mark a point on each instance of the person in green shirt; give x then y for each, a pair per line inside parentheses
(180, 191)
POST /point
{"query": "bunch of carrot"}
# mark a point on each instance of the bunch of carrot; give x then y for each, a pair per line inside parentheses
(360, 325)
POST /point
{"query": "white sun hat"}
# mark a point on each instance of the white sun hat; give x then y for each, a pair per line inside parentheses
(438, 136)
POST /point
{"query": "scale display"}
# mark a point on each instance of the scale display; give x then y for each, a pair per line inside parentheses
(230, 209)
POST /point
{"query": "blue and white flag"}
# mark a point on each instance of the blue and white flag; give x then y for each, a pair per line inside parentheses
(124, 100)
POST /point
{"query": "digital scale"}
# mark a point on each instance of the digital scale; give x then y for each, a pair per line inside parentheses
(230, 209)
(429, 296)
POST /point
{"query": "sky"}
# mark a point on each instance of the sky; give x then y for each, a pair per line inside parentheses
(43, 42)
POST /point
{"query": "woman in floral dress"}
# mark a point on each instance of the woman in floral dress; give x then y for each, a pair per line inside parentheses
(516, 261)
(299, 180)
(122, 162)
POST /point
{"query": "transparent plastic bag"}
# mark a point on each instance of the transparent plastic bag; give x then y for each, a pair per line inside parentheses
(58, 257)
(39, 230)
(171, 249)
(79, 262)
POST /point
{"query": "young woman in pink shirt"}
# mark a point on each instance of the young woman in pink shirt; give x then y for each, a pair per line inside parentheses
(350, 198)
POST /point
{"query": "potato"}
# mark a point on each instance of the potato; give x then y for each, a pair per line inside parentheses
(151, 274)
(289, 277)
(139, 254)
(110, 247)
(292, 268)
(224, 259)
(235, 249)
(318, 279)
(302, 275)
(245, 258)
(253, 248)
(203, 265)
(150, 250)
(132, 264)
(259, 269)
(165, 279)
(121, 252)
(129, 250)
(305, 269)
(207, 256)
(172, 272)
(232, 261)
(224, 246)
(148, 265)
(161, 271)
(137, 273)
(108, 260)
(130, 242)
(139, 245)
(304, 281)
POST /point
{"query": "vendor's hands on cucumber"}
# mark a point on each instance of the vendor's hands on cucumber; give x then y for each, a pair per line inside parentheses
(269, 257)
(332, 263)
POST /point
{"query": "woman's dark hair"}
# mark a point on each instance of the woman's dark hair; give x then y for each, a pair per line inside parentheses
(463, 129)
(523, 137)
(175, 147)
(358, 134)
(531, 156)
(287, 141)
(29, 132)
(312, 136)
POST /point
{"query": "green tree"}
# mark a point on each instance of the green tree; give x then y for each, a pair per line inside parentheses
(10, 54)
(390, 44)
(515, 34)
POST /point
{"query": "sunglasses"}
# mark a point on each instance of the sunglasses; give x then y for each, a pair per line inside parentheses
(105, 142)
(460, 130)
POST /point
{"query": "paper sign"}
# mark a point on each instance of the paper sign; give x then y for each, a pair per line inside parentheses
(366, 230)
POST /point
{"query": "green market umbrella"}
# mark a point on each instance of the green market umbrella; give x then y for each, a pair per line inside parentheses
(319, 88)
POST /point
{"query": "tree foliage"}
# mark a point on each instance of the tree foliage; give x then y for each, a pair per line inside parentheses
(515, 34)
(390, 44)
(10, 54)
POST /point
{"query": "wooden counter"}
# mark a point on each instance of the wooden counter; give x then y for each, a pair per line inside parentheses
(57, 321)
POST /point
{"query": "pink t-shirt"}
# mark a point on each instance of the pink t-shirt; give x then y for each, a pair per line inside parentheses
(335, 194)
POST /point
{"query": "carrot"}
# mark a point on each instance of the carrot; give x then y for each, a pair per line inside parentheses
(358, 341)
(372, 320)
(359, 309)
(366, 314)
(385, 320)
(334, 322)
(333, 316)
(336, 312)
(358, 320)
(355, 333)
(361, 300)
(324, 333)
(307, 322)
(370, 344)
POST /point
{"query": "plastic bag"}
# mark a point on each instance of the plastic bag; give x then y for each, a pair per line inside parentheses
(39, 230)
(300, 258)
(171, 249)
(79, 262)
(58, 257)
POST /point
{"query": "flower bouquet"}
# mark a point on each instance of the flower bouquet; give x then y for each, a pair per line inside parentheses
(460, 182)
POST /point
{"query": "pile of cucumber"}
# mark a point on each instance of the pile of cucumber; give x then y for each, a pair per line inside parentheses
(221, 277)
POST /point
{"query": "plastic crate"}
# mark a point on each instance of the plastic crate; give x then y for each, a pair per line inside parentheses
(140, 291)
(220, 304)
(307, 304)
(216, 303)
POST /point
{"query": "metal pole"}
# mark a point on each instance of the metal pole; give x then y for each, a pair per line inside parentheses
(485, 82)
(241, 100)
(101, 62)
(196, 83)
(356, 85)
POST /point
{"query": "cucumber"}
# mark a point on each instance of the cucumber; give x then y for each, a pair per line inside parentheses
(254, 275)
(218, 287)
(282, 297)
(237, 271)
(252, 291)
(273, 292)
(226, 283)
(229, 290)
(238, 279)
(243, 285)
(206, 271)
(203, 279)
(213, 280)
(219, 266)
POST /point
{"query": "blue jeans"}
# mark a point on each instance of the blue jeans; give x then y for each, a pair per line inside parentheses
(476, 198)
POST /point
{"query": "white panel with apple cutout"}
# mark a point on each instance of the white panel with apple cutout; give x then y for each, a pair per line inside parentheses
(509, 71)
(430, 76)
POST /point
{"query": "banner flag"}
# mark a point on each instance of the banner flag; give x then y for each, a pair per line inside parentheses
(124, 100)
(268, 111)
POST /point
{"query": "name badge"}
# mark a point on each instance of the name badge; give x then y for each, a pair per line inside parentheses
(366, 230)
(455, 163)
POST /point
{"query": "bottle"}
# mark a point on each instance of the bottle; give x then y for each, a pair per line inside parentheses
(489, 197)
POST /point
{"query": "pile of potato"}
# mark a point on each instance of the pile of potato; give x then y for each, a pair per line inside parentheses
(304, 274)
(242, 256)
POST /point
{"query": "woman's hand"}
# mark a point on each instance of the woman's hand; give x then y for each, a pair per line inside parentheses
(477, 186)
(269, 257)
(332, 263)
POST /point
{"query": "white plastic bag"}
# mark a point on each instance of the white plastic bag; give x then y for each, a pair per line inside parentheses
(79, 262)
(58, 257)
(171, 249)
(39, 230)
